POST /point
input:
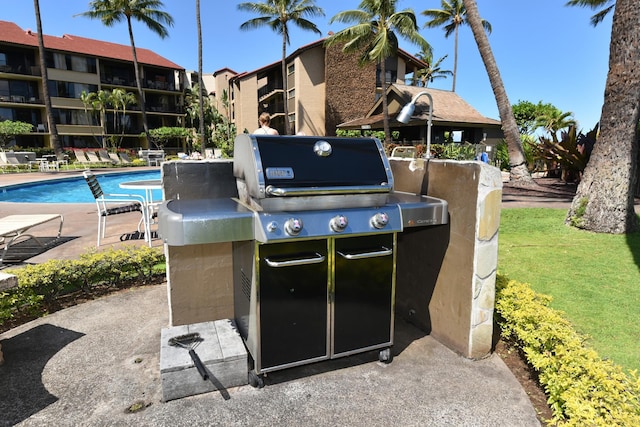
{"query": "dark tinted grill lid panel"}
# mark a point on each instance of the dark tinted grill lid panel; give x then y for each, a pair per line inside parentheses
(352, 162)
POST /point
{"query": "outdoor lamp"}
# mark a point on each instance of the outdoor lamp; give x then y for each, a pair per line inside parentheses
(407, 112)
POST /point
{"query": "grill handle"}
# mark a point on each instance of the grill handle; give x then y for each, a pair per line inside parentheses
(361, 255)
(296, 261)
(321, 191)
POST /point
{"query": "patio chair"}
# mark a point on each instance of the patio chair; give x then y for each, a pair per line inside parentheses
(4, 164)
(105, 156)
(95, 160)
(115, 204)
(114, 158)
(126, 160)
(81, 159)
(12, 159)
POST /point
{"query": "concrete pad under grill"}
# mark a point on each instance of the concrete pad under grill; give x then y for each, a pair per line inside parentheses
(96, 362)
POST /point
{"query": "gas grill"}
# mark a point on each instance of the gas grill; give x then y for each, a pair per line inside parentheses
(314, 231)
(317, 280)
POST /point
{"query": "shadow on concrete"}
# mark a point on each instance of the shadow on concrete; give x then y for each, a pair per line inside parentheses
(22, 392)
(404, 334)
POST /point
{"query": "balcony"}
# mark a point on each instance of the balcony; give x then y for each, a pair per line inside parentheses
(267, 91)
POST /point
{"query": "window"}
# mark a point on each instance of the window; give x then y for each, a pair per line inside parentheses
(291, 94)
(69, 89)
(291, 69)
(63, 61)
(3, 58)
(70, 117)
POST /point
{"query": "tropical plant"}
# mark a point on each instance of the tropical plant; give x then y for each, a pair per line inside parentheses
(160, 136)
(565, 154)
(97, 104)
(277, 15)
(527, 114)
(553, 120)
(424, 76)
(374, 36)
(607, 5)
(607, 183)
(518, 171)
(53, 128)
(9, 129)
(452, 15)
(111, 12)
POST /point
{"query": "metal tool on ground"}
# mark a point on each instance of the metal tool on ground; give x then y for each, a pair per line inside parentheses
(190, 342)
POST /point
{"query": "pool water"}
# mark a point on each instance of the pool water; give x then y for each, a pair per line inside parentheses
(75, 190)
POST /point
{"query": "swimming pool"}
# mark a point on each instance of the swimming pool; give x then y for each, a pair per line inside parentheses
(75, 189)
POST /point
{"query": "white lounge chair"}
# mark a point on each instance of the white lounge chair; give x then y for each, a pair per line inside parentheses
(81, 159)
(95, 160)
(114, 204)
(14, 227)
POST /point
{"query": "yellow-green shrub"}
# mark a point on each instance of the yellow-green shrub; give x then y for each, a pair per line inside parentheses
(39, 283)
(582, 388)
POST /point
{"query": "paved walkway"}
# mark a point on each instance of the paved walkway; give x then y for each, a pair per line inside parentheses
(87, 364)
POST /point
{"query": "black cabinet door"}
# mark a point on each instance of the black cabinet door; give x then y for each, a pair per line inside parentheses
(293, 302)
(363, 300)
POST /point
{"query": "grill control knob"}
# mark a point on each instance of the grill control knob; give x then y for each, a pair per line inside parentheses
(338, 223)
(293, 226)
(380, 220)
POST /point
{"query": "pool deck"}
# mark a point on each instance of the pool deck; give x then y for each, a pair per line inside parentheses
(80, 220)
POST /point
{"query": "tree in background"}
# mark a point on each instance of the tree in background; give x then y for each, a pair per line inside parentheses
(111, 12)
(53, 128)
(604, 200)
(607, 5)
(278, 14)
(200, 82)
(452, 15)
(552, 120)
(374, 36)
(518, 173)
(9, 129)
(97, 103)
(424, 76)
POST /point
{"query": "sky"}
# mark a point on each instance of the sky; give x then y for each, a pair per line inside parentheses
(545, 51)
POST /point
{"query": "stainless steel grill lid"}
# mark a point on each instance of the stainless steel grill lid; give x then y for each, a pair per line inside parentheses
(283, 166)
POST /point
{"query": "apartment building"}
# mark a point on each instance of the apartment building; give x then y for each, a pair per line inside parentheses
(325, 87)
(76, 64)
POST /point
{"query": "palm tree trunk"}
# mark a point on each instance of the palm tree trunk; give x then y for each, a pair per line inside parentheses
(455, 60)
(53, 129)
(145, 125)
(285, 88)
(604, 200)
(200, 84)
(519, 174)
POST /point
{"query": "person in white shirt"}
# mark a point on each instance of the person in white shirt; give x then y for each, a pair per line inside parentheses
(265, 129)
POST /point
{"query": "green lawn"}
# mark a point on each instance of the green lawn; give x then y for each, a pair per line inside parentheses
(593, 278)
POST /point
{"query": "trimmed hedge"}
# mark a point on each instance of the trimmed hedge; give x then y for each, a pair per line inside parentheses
(42, 283)
(582, 388)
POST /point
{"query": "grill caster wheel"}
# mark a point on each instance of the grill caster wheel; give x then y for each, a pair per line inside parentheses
(255, 380)
(385, 356)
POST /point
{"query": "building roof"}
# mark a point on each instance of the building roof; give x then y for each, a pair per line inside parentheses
(448, 108)
(12, 33)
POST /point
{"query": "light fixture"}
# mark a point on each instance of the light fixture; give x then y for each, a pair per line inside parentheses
(407, 112)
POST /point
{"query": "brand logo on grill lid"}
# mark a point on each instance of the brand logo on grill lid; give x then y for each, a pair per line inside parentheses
(279, 173)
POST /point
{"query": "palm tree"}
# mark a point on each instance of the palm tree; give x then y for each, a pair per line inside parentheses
(374, 36)
(604, 200)
(200, 98)
(277, 15)
(553, 120)
(608, 6)
(111, 12)
(53, 128)
(519, 174)
(97, 102)
(432, 72)
(452, 15)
